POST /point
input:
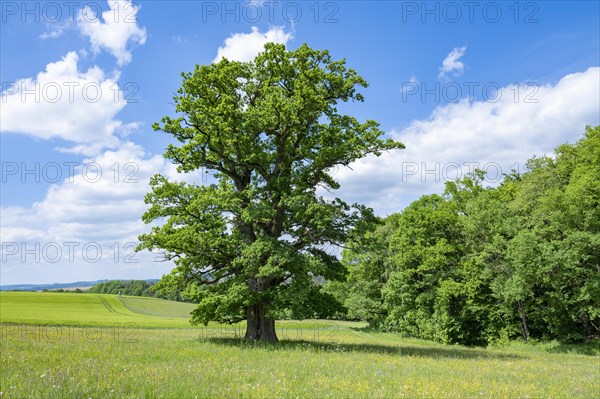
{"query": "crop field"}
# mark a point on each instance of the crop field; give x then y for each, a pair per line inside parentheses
(105, 346)
(91, 310)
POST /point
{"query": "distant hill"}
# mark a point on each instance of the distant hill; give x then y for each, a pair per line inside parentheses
(55, 286)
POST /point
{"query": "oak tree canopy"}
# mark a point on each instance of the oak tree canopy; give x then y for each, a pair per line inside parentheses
(254, 244)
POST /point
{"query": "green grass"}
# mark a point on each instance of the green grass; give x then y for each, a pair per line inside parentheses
(314, 358)
(89, 310)
(157, 307)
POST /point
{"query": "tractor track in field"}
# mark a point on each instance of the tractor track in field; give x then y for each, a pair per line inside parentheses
(106, 304)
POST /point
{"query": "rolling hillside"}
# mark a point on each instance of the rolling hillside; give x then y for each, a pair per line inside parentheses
(91, 309)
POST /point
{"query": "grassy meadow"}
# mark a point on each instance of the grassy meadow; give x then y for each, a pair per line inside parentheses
(57, 345)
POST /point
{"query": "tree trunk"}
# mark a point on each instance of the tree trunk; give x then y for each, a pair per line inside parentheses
(524, 321)
(259, 327)
(590, 328)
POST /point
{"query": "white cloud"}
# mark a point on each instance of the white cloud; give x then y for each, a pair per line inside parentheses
(87, 209)
(452, 62)
(55, 32)
(496, 136)
(246, 46)
(116, 33)
(64, 102)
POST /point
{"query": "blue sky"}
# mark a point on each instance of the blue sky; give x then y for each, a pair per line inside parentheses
(462, 84)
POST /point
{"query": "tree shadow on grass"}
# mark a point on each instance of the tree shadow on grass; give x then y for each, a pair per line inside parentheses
(316, 346)
(589, 348)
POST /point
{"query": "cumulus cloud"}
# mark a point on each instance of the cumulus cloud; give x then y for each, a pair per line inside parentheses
(115, 31)
(246, 46)
(99, 206)
(64, 102)
(452, 63)
(55, 32)
(456, 138)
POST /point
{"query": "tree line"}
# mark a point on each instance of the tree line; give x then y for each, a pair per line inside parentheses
(479, 264)
(138, 288)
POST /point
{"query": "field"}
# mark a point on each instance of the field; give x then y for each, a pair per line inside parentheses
(57, 345)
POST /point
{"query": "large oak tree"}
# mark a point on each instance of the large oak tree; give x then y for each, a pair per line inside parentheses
(255, 242)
